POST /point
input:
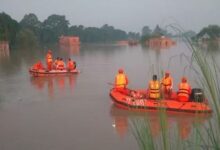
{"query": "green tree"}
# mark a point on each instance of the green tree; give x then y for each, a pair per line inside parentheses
(213, 31)
(146, 31)
(8, 28)
(26, 38)
(93, 34)
(146, 34)
(77, 31)
(30, 21)
(133, 36)
(53, 27)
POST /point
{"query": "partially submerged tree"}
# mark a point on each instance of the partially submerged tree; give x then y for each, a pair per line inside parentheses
(8, 28)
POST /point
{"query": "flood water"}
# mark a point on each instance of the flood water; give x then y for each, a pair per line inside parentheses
(76, 112)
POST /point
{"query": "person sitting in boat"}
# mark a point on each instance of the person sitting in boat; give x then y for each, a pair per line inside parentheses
(121, 81)
(71, 65)
(184, 91)
(167, 84)
(38, 66)
(61, 64)
(49, 60)
(154, 88)
(55, 64)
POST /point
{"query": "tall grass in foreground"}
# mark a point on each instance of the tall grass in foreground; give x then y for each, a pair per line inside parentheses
(205, 137)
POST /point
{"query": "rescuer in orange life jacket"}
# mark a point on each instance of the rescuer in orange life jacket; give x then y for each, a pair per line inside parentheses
(154, 88)
(49, 60)
(184, 91)
(167, 84)
(38, 66)
(121, 81)
(55, 64)
(71, 65)
(60, 64)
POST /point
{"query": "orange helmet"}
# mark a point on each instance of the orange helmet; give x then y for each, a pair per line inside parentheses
(184, 79)
(167, 73)
(120, 70)
(49, 51)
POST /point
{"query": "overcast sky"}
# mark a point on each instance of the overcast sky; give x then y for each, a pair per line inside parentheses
(129, 15)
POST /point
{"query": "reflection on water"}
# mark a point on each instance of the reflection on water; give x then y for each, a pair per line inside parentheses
(210, 45)
(58, 112)
(4, 53)
(70, 49)
(183, 121)
(160, 43)
(4, 57)
(50, 83)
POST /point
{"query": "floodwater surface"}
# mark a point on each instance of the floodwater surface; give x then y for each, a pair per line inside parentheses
(76, 112)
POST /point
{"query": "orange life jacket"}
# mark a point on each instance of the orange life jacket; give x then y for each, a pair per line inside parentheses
(60, 65)
(184, 90)
(70, 65)
(121, 80)
(154, 89)
(56, 62)
(38, 66)
(167, 82)
(35, 66)
(49, 58)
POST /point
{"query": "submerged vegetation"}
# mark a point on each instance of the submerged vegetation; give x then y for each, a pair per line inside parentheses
(203, 137)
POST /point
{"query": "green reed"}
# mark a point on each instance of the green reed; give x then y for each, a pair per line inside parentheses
(203, 137)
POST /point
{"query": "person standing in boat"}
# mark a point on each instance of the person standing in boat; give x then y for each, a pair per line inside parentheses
(167, 84)
(71, 65)
(49, 60)
(184, 91)
(154, 88)
(121, 81)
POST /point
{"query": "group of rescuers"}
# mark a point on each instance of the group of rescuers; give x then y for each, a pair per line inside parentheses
(57, 64)
(156, 88)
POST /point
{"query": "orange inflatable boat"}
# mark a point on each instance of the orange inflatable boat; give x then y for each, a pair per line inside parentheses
(128, 101)
(43, 72)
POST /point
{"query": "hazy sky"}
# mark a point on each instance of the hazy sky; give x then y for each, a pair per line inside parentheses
(129, 15)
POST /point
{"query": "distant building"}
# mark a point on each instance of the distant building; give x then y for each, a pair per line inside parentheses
(122, 43)
(69, 40)
(133, 42)
(162, 42)
(70, 49)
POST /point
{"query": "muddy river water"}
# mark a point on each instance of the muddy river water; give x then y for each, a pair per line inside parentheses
(76, 112)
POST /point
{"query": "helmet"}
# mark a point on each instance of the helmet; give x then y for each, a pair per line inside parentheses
(49, 51)
(120, 70)
(167, 73)
(154, 77)
(184, 79)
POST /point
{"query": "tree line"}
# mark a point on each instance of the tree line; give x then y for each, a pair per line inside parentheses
(211, 33)
(30, 31)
